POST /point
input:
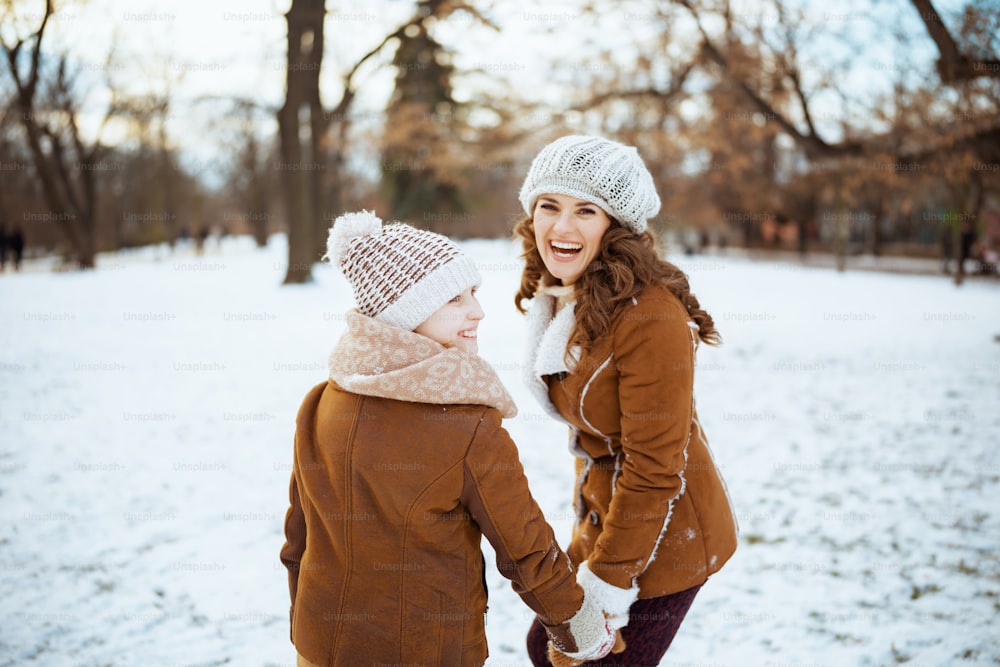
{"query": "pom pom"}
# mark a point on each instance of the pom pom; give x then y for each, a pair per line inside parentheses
(345, 229)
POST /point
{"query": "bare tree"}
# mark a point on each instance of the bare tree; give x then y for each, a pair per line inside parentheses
(312, 171)
(249, 181)
(938, 130)
(422, 119)
(65, 163)
(773, 102)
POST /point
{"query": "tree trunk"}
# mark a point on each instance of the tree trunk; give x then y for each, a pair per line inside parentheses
(299, 171)
(965, 229)
(318, 124)
(874, 237)
(841, 233)
(259, 215)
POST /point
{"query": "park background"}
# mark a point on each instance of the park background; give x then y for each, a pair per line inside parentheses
(830, 181)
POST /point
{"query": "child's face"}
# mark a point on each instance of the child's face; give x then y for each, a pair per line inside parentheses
(454, 324)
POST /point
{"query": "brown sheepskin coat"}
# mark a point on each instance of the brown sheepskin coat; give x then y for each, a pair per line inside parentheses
(652, 508)
(400, 465)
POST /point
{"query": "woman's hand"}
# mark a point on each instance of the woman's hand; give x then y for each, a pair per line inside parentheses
(614, 601)
(585, 636)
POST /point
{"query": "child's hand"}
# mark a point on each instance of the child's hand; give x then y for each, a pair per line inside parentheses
(560, 659)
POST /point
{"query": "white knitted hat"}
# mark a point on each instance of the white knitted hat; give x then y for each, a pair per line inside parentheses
(400, 274)
(605, 172)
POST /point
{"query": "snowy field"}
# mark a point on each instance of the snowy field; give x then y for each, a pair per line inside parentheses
(147, 417)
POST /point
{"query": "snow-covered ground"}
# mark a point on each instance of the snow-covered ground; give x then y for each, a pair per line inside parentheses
(147, 416)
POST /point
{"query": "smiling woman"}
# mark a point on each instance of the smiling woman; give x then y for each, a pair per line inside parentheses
(614, 331)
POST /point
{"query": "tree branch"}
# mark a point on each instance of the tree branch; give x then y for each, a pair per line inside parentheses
(26, 90)
(36, 52)
(453, 7)
(676, 86)
(953, 66)
(813, 145)
(791, 67)
(348, 96)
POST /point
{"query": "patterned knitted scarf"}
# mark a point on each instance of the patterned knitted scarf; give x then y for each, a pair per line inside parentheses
(376, 359)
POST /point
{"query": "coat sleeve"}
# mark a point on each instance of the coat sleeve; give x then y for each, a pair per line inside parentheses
(495, 492)
(295, 520)
(654, 347)
(295, 538)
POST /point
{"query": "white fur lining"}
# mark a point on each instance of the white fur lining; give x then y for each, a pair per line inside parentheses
(693, 328)
(583, 396)
(550, 357)
(613, 600)
(670, 511)
(545, 354)
(574, 445)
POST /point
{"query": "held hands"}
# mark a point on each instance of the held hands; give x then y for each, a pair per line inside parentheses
(596, 627)
(614, 601)
(585, 636)
(560, 659)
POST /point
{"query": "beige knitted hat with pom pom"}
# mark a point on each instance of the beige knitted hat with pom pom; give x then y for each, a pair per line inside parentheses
(400, 274)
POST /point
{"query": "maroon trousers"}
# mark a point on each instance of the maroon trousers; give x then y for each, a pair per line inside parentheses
(652, 624)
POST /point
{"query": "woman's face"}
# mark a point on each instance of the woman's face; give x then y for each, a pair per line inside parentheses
(568, 233)
(454, 324)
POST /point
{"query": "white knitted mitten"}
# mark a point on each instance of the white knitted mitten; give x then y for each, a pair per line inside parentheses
(614, 601)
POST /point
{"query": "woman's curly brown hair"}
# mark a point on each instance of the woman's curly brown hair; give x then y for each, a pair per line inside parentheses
(626, 263)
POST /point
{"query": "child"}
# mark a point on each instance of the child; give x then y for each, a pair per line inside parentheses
(401, 464)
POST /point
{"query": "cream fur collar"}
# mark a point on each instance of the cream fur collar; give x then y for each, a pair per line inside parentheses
(376, 359)
(548, 337)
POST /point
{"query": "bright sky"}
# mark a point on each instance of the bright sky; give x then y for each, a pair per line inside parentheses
(236, 48)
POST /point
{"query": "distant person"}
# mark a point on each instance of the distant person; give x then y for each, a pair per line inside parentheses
(968, 239)
(613, 332)
(802, 237)
(3, 248)
(201, 238)
(16, 244)
(401, 464)
(966, 243)
(947, 247)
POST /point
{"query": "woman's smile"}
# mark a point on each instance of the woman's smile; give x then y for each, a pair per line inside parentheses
(568, 233)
